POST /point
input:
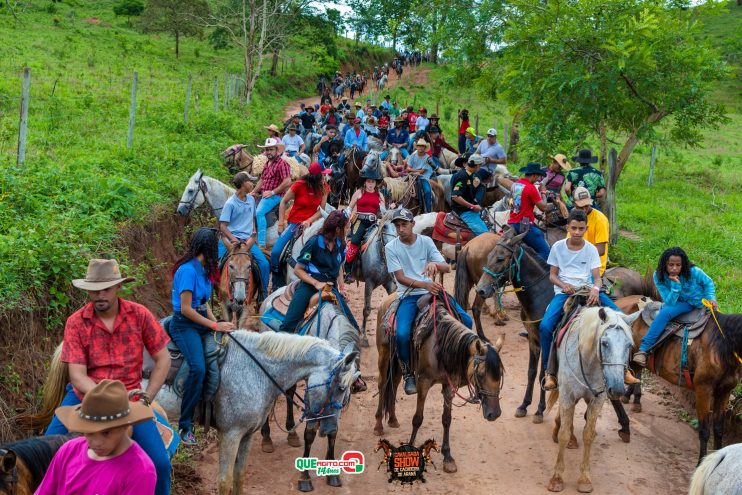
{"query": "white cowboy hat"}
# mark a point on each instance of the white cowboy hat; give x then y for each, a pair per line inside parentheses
(422, 142)
(270, 143)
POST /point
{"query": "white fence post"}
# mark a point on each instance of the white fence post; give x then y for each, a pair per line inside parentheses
(132, 110)
(23, 125)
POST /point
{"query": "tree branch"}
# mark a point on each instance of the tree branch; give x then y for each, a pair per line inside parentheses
(632, 88)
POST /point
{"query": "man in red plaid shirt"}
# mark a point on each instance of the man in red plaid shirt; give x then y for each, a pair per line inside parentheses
(273, 183)
(106, 339)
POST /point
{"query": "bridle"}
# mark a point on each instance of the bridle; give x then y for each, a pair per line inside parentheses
(330, 407)
(12, 477)
(513, 271)
(233, 279)
(203, 188)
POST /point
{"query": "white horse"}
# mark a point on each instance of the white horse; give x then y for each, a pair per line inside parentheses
(381, 83)
(720, 472)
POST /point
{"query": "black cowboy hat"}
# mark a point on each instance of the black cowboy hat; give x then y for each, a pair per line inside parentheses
(585, 156)
(372, 174)
(533, 168)
(434, 117)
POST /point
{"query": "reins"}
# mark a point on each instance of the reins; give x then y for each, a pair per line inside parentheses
(710, 306)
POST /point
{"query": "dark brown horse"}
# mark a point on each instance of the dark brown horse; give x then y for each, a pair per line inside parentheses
(238, 286)
(714, 360)
(446, 353)
(24, 463)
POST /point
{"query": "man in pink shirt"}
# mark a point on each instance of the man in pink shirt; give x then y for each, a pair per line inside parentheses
(525, 198)
(105, 460)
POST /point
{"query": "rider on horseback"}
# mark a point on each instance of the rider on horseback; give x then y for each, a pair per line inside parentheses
(275, 180)
(525, 198)
(467, 191)
(368, 204)
(421, 165)
(327, 144)
(438, 144)
(356, 139)
(398, 138)
(344, 106)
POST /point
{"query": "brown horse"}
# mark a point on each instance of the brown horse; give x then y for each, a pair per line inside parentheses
(24, 463)
(713, 362)
(236, 158)
(238, 287)
(446, 353)
(400, 193)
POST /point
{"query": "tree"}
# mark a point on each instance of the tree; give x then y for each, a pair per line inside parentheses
(614, 70)
(177, 17)
(129, 8)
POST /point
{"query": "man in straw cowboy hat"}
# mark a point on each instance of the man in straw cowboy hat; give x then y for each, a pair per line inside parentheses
(105, 339)
(273, 183)
(586, 176)
(420, 164)
(105, 459)
(554, 179)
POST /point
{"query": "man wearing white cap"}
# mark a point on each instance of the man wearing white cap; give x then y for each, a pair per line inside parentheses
(493, 155)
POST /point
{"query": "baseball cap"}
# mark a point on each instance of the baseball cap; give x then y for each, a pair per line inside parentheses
(492, 132)
(582, 197)
(476, 159)
(403, 214)
(471, 131)
(315, 168)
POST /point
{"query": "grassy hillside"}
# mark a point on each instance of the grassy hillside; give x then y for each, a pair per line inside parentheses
(79, 180)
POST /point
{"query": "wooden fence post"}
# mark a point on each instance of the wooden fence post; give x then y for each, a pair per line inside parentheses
(188, 98)
(476, 124)
(216, 94)
(611, 196)
(195, 100)
(650, 179)
(23, 124)
(132, 110)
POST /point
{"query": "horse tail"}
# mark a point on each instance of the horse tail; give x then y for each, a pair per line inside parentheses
(462, 284)
(53, 392)
(648, 288)
(553, 398)
(703, 471)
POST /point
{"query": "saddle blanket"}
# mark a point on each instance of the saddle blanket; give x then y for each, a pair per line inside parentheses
(448, 226)
(273, 317)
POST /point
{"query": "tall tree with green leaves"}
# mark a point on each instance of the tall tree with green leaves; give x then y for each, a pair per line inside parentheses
(129, 8)
(177, 17)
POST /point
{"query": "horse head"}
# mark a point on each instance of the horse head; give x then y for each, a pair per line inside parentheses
(613, 347)
(238, 275)
(394, 154)
(487, 371)
(194, 194)
(429, 445)
(500, 263)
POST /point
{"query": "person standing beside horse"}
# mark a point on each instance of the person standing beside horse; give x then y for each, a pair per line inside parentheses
(586, 176)
(683, 287)
(467, 191)
(414, 261)
(193, 276)
(273, 183)
(236, 224)
(105, 339)
(309, 194)
(366, 204)
(525, 198)
(421, 165)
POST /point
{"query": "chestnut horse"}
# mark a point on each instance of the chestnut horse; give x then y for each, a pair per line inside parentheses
(238, 288)
(23, 463)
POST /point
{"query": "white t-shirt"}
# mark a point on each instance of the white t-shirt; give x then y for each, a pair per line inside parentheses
(292, 143)
(411, 259)
(575, 267)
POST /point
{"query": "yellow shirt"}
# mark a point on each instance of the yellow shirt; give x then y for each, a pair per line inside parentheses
(597, 232)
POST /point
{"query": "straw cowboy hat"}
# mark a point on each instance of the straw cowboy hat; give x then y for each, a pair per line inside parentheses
(562, 161)
(101, 275)
(106, 406)
(422, 142)
(273, 127)
(270, 143)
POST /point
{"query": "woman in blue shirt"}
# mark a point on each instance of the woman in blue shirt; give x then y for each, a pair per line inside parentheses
(193, 276)
(683, 286)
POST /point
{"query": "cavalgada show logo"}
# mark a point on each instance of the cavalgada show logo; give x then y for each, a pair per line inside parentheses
(351, 462)
(406, 463)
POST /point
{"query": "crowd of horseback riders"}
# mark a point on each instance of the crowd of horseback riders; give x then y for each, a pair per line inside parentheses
(322, 233)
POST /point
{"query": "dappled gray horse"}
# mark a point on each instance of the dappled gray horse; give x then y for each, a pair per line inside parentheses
(720, 472)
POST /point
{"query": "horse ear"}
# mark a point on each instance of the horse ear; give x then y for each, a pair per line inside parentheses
(602, 314)
(350, 358)
(630, 319)
(498, 343)
(8, 461)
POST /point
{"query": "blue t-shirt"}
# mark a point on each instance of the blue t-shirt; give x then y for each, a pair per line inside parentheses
(240, 216)
(191, 276)
(421, 163)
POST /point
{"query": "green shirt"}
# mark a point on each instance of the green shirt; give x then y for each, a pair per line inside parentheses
(587, 177)
(394, 112)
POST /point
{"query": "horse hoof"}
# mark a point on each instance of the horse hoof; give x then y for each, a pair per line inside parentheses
(364, 342)
(556, 484)
(267, 446)
(305, 486)
(636, 407)
(572, 443)
(293, 439)
(625, 399)
(520, 412)
(334, 481)
(538, 419)
(585, 487)
(450, 466)
(625, 436)
(393, 423)
(378, 431)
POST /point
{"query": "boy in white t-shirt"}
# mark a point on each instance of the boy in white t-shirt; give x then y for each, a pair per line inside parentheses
(574, 263)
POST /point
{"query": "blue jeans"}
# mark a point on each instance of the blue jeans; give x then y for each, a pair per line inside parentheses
(264, 207)
(663, 317)
(260, 260)
(385, 153)
(283, 239)
(427, 194)
(475, 222)
(145, 434)
(553, 315)
(535, 238)
(405, 317)
(187, 336)
(437, 161)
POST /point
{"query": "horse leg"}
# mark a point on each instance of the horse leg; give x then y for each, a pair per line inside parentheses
(476, 313)
(449, 463)
(266, 444)
(240, 467)
(229, 442)
(423, 387)
(384, 366)
(584, 485)
(720, 405)
(542, 396)
(305, 481)
(566, 413)
(528, 397)
(368, 289)
(623, 419)
(293, 437)
(703, 411)
(333, 480)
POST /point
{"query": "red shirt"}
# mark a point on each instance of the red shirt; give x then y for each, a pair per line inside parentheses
(369, 202)
(274, 173)
(324, 108)
(383, 122)
(412, 121)
(305, 202)
(525, 197)
(464, 126)
(115, 355)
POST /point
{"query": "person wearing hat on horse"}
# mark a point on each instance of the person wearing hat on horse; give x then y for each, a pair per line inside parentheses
(366, 205)
(414, 261)
(344, 106)
(586, 176)
(329, 147)
(275, 132)
(359, 111)
(435, 122)
(525, 198)
(309, 195)
(463, 129)
(106, 339)
(493, 154)
(467, 191)
(292, 142)
(437, 144)
(554, 180)
(370, 127)
(421, 165)
(294, 120)
(273, 183)
(332, 117)
(598, 227)
(472, 141)
(356, 139)
(386, 103)
(375, 111)
(397, 138)
(104, 459)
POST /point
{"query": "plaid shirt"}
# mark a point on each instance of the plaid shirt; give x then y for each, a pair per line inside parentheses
(274, 173)
(115, 355)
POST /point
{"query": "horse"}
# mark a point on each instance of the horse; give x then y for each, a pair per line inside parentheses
(381, 82)
(400, 192)
(713, 362)
(338, 91)
(333, 327)
(23, 463)
(399, 71)
(512, 262)
(600, 340)
(237, 159)
(447, 353)
(238, 287)
(720, 472)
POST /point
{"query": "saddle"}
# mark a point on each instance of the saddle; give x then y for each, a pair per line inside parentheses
(450, 229)
(694, 321)
(274, 315)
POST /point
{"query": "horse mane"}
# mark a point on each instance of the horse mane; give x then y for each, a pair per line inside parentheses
(278, 345)
(348, 333)
(729, 343)
(648, 288)
(37, 453)
(212, 182)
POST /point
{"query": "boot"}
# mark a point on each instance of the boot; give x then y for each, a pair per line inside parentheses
(350, 257)
(550, 383)
(629, 378)
(640, 358)
(410, 385)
